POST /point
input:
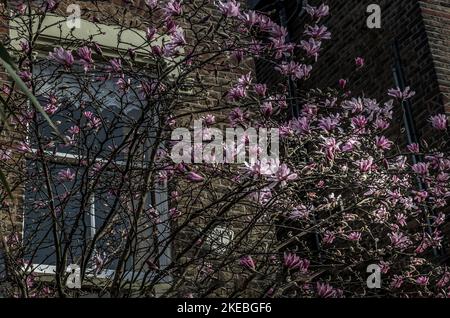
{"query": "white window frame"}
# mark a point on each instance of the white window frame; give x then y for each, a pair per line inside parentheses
(109, 38)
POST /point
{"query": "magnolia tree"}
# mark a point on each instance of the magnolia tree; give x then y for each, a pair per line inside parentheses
(119, 200)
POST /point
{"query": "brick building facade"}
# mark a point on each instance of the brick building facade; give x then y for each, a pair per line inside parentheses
(414, 36)
(113, 10)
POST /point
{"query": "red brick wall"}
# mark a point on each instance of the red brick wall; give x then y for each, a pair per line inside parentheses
(421, 29)
(436, 17)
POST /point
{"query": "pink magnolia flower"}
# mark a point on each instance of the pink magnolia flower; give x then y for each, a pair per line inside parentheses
(23, 147)
(49, 5)
(311, 47)
(328, 124)
(21, 8)
(74, 130)
(330, 147)
(66, 175)
(284, 174)
(342, 83)
(359, 122)
(324, 290)
(93, 121)
(123, 84)
(299, 212)
(6, 89)
(384, 267)
(115, 65)
(247, 262)
(439, 122)
(360, 62)
(318, 12)
(292, 261)
(318, 32)
(260, 89)
(445, 279)
(173, 8)
(354, 236)
(230, 8)
(267, 109)
(383, 143)
(209, 120)
(62, 56)
(329, 237)
(397, 282)
(151, 33)
(52, 105)
(294, 70)
(194, 177)
(414, 148)
(25, 46)
(350, 145)
(421, 168)
(25, 76)
(356, 105)
(85, 55)
(402, 95)
(237, 116)
(236, 93)
(399, 240)
(174, 213)
(381, 124)
(422, 281)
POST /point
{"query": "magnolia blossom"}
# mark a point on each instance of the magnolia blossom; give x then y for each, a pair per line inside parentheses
(414, 148)
(294, 70)
(66, 175)
(360, 62)
(422, 280)
(312, 47)
(402, 95)
(237, 116)
(325, 290)
(85, 55)
(260, 89)
(299, 212)
(194, 177)
(354, 236)
(247, 262)
(397, 282)
(230, 8)
(284, 174)
(292, 261)
(115, 65)
(318, 32)
(173, 8)
(421, 168)
(383, 143)
(209, 120)
(318, 12)
(439, 122)
(62, 56)
(23, 147)
(399, 240)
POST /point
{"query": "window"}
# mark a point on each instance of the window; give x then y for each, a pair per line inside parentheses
(82, 197)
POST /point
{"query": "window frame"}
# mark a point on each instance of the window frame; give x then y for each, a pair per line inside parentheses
(110, 44)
